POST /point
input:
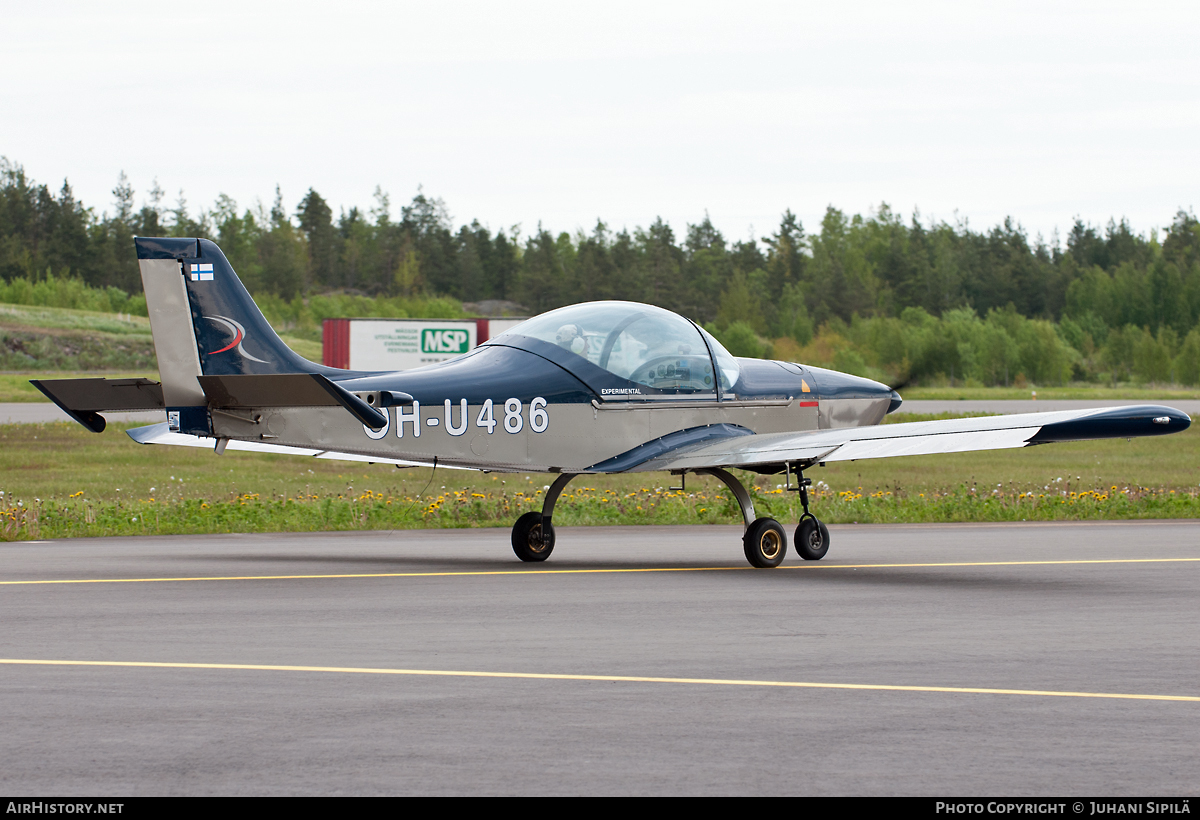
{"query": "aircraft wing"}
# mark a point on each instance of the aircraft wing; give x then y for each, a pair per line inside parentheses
(921, 438)
(161, 434)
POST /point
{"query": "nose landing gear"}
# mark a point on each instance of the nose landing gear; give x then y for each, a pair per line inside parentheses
(812, 539)
(812, 536)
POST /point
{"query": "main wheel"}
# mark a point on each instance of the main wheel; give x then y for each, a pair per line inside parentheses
(527, 540)
(812, 539)
(765, 543)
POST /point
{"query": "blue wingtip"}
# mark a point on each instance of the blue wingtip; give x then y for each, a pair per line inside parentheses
(1117, 422)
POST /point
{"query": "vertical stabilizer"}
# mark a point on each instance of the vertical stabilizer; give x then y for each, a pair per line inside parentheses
(205, 324)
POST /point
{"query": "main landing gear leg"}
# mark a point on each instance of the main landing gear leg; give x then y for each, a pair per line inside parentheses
(764, 540)
(812, 536)
(533, 534)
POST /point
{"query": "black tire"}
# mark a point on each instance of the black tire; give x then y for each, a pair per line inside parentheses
(812, 539)
(765, 543)
(527, 538)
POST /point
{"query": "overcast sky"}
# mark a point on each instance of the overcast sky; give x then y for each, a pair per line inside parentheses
(561, 112)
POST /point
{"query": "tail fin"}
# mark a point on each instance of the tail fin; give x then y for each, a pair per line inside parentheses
(203, 319)
(205, 323)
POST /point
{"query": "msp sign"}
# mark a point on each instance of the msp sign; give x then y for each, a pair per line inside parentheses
(445, 340)
(402, 344)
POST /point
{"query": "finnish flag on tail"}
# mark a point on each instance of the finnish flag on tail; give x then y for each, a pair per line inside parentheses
(202, 272)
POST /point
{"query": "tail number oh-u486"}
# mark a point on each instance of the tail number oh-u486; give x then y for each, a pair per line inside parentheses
(456, 417)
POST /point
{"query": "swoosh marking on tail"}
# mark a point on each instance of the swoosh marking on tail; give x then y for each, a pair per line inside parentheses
(239, 335)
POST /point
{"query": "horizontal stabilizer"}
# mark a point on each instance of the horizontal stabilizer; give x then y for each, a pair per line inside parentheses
(287, 390)
(84, 399)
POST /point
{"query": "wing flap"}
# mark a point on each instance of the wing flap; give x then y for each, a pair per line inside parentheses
(932, 444)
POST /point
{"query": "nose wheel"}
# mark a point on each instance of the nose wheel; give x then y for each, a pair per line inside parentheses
(812, 539)
(812, 536)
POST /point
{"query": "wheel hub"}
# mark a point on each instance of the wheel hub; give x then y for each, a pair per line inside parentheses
(535, 540)
(770, 544)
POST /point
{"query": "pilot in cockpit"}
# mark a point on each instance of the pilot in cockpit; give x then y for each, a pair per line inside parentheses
(571, 337)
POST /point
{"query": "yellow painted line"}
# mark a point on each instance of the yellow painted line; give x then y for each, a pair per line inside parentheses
(805, 566)
(374, 575)
(449, 673)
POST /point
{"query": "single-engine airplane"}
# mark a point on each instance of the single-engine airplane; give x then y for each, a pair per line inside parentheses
(600, 387)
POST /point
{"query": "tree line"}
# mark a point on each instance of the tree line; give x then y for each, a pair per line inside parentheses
(877, 294)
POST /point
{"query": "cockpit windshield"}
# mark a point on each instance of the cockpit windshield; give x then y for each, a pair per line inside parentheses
(641, 343)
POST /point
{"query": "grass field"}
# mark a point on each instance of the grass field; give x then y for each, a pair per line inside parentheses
(58, 480)
(52, 318)
(15, 387)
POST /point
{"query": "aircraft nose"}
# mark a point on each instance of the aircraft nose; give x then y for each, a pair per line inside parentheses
(896, 402)
(834, 385)
(1177, 420)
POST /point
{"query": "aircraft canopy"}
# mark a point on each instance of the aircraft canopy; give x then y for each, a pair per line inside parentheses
(644, 344)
